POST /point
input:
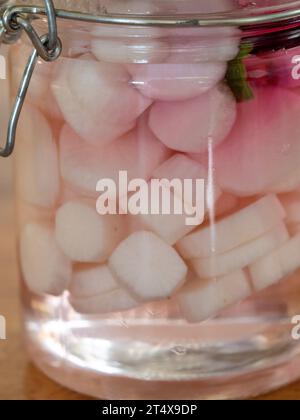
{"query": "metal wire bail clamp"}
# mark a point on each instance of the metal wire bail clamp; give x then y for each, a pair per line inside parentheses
(48, 47)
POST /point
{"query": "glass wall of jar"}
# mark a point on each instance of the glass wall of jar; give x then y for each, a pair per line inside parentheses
(158, 196)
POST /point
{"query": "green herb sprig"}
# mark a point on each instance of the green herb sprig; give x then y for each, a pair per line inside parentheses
(236, 75)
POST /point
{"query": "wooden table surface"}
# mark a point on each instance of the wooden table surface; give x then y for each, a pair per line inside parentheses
(19, 380)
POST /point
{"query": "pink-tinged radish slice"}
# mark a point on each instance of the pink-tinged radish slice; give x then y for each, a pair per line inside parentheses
(274, 267)
(288, 184)
(90, 281)
(263, 142)
(45, 268)
(238, 258)
(97, 100)
(173, 176)
(148, 267)
(131, 50)
(174, 82)
(83, 165)
(27, 213)
(39, 87)
(291, 204)
(181, 167)
(203, 299)
(75, 46)
(234, 230)
(69, 194)
(117, 300)
(169, 227)
(127, 33)
(37, 160)
(195, 125)
(86, 236)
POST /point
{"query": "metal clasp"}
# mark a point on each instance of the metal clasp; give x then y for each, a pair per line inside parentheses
(48, 47)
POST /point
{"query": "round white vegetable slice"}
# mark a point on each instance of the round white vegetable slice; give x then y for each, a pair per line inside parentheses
(130, 49)
(277, 265)
(195, 125)
(181, 167)
(92, 280)
(291, 204)
(148, 267)
(39, 87)
(178, 178)
(288, 184)
(241, 256)
(70, 194)
(170, 227)
(27, 213)
(86, 236)
(117, 300)
(264, 143)
(75, 45)
(37, 160)
(176, 81)
(45, 268)
(203, 299)
(83, 165)
(97, 100)
(234, 230)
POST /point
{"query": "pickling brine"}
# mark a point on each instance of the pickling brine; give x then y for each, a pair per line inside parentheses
(158, 197)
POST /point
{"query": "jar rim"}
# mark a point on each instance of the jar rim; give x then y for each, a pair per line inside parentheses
(241, 17)
(243, 8)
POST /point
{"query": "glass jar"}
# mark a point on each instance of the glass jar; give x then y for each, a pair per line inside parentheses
(158, 198)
